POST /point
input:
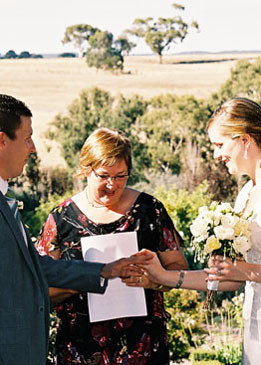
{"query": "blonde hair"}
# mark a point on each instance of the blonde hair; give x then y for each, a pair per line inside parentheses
(104, 147)
(239, 116)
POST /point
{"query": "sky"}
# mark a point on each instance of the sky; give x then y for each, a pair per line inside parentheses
(39, 26)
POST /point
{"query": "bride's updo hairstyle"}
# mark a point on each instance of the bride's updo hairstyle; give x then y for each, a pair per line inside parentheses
(104, 147)
(239, 116)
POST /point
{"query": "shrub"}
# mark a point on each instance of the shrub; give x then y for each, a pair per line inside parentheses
(37, 217)
(202, 355)
(67, 55)
(185, 325)
(182, 207)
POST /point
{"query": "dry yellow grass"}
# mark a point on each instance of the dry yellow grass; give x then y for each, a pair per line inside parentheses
(48, 86)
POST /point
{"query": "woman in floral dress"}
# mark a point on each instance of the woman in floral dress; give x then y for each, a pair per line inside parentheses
(107, 206)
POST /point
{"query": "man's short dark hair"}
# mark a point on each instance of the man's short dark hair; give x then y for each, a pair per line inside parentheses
(11, 110)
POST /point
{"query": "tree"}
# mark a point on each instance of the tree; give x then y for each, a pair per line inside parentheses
(10, 54)
(124, 45)
(101, 52)
(67, 55)
(106, 53)
(169, 124)
(97, 108)
(86, 113)
(244, 80)
(160, 34)
(25, 54)
(79, 35)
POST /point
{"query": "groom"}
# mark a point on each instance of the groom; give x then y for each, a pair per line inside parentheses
(24, 275)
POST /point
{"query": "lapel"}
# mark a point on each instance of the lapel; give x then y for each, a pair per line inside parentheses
(34, 257)
(10, 219)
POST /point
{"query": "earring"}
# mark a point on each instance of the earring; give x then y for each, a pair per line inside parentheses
(246, 152)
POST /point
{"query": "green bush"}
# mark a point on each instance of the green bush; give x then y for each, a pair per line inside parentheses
(185, 325)
(208, 362)
(202, 354)
(229, 353)
(182, 207)
(36, 218)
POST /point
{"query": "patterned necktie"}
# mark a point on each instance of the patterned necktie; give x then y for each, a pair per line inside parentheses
(12, 202)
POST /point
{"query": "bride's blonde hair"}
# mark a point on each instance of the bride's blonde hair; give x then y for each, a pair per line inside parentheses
(239, 116)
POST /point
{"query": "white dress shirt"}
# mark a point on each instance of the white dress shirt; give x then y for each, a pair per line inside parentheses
(4, 188)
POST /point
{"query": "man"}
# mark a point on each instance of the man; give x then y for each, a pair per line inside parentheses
(24, 275)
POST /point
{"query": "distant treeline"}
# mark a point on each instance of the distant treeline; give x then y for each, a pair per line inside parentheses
(25, 54)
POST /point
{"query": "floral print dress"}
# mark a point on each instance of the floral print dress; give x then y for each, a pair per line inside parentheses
(132, 341)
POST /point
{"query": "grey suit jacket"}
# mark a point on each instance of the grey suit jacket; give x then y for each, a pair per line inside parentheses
(24, 301)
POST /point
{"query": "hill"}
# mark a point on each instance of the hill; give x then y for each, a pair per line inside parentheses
(48, 86)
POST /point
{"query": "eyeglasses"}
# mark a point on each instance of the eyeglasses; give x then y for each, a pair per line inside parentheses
(108, 177)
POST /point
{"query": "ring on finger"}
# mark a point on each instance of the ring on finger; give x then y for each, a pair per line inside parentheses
(218, 272)
(140, 280)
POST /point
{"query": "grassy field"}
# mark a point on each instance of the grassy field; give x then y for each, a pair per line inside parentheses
(48, 86)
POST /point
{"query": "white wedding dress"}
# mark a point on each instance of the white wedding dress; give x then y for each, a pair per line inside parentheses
(252, 301)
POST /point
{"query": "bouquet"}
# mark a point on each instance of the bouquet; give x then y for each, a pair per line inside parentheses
(219, 230)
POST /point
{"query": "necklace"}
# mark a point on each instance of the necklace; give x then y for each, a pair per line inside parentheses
(91, 203)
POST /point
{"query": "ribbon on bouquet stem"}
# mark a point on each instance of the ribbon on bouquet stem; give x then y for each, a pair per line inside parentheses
(212, 288)
(212, 284)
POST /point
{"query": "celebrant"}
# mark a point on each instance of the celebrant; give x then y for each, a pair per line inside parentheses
(108, 206)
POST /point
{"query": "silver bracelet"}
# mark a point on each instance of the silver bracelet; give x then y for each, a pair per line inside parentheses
(180, 281)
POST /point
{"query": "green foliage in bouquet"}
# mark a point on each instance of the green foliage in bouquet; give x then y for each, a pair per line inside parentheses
(185, 326)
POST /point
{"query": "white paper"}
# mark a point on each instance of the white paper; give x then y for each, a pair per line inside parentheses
(118, 301)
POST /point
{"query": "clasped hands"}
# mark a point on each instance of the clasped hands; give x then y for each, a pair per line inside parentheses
(133, 270)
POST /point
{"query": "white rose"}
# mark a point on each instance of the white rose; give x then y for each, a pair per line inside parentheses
(242, 228)
(199, 226)
(202, 237)
(224, 207)
(242, 244)
(216, 218)
(224, 233)
(229, 221)
(203, 211)
(213, 205)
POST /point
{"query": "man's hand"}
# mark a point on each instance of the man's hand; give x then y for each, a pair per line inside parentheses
(124, 267)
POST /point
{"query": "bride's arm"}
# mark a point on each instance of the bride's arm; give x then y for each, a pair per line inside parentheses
(195, 279)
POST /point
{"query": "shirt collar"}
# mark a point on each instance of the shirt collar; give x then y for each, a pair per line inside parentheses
(3, 186)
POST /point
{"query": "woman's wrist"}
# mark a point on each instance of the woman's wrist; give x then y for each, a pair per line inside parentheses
(180, 279)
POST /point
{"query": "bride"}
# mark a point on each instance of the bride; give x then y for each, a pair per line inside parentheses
(235, 133)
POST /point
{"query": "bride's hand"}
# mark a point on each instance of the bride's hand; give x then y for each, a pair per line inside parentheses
(152, 266)
(224, 269)
(141, 280)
